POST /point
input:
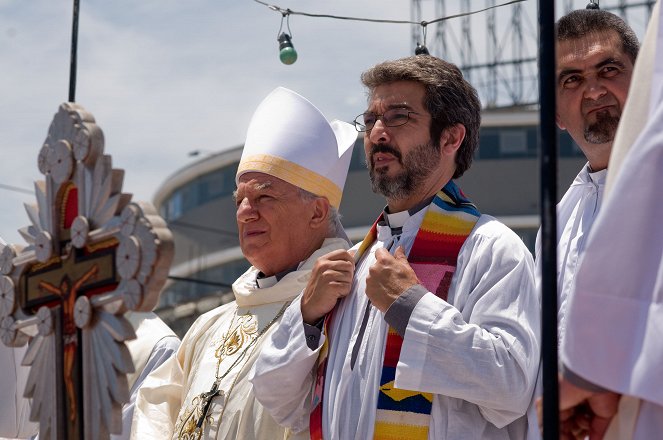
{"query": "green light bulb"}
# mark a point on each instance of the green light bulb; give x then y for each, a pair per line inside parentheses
(288, 55)
(287, 52)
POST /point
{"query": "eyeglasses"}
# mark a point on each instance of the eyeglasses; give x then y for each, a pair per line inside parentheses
(391, 118)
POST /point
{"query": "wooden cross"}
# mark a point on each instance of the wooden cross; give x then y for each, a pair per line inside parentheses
(92, 255)
(57, 284)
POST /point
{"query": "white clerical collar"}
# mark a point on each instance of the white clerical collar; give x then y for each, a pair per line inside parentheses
(266, 282)
(262, 281)
(403, 222)
(397, 220)
(598, 177)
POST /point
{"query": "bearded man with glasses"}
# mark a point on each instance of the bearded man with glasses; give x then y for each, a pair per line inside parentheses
(429, 328)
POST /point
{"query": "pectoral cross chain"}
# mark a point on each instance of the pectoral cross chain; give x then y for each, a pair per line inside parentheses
(207, 401)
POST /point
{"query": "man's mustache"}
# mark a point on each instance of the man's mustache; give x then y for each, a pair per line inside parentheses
(385, 148)
(603, 101)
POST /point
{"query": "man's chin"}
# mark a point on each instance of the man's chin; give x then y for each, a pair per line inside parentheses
(253, 252)
(388, 171)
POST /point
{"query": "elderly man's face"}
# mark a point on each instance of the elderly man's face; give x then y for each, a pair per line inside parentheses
(274, 222)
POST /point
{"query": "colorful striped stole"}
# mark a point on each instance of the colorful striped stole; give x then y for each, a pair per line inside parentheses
(403, 414)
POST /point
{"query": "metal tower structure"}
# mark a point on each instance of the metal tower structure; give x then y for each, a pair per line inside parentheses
(497, 49)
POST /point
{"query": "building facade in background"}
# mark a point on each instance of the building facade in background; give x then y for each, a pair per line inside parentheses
(197, 202)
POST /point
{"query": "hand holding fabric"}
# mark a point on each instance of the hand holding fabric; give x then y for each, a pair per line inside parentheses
(389, 277)
(583, 412)
(331, 280)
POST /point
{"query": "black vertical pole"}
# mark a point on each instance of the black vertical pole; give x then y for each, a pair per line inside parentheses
(548, 142)
(74, 53)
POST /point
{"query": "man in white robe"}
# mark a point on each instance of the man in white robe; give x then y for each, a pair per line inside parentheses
(477, 352)
(596, 51)
(621, 274)
(155, 343)
(14, 408)
(289, 184)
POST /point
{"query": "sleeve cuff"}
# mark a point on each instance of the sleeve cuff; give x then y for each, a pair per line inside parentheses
(580, 382)
(399, 312)
(312, 334)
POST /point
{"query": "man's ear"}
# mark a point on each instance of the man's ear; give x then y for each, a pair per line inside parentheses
(320, 212)
(451, 138)
(559, 122)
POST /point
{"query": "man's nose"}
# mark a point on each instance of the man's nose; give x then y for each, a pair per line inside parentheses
(379, 134)
(594, 88)
(246, 211)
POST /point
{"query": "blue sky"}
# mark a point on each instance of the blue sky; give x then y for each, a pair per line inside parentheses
(165, 77)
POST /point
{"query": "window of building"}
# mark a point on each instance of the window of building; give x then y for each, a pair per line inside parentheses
(216, 184)
(358, 161)
(180, 292)
(513, 142)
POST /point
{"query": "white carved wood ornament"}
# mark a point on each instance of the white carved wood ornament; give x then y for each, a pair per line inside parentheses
(91, 254)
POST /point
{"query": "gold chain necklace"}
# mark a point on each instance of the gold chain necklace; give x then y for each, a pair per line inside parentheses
(206, 397)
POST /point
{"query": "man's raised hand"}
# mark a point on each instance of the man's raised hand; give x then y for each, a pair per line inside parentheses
(331, 280)
(389, 277)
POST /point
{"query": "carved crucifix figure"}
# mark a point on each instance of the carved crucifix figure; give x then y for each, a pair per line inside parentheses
(68, 292)
(91, 256)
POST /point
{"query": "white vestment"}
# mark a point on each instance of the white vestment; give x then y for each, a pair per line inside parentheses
(14, 408)
(615, 321)
(478, 352)
(576, 212)
(169, 403)
(155, 342)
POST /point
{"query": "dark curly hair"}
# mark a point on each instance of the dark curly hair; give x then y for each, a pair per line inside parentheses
(449, 98)
(578, 24)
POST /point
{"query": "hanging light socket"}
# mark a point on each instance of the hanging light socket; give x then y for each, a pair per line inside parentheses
(593, 4)
(421, 50)
(287, 52)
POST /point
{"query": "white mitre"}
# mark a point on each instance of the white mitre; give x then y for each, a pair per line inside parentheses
(289, 138)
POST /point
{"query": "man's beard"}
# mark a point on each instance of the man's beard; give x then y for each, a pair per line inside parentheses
(417, 165)
(603, 129)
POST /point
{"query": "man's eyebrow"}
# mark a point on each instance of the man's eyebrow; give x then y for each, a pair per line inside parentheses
(610, 61)
(258, 187)
(399, 105)
(565, 72)
(605, 62)
(393, 106)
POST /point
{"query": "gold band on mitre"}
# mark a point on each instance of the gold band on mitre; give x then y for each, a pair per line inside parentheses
(294, 174)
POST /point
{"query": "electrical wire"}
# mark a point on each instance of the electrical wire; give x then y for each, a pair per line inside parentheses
(218, 231)
(16, 189)
(288, 11)
(198, 281)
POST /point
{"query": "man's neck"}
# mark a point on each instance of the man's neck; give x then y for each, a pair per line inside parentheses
(598, 155)
(595, 168)
(417, 198)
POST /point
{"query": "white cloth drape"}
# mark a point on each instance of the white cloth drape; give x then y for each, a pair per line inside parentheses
(615, 322)
(478, 352)
(167, 395)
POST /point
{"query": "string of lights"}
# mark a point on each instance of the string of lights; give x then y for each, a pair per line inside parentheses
(288, 54)
(288, 11)
(198, 281)
(16, 189)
